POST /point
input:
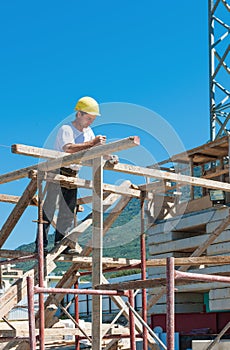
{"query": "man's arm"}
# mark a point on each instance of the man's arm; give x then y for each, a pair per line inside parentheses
(76, 147)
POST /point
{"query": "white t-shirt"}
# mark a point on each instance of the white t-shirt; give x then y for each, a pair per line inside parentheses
(69, 134)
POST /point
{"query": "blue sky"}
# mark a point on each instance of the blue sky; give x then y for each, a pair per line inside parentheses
(147, 53)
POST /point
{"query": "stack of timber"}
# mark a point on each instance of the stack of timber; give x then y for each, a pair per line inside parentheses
(205, 232)
(192, 226)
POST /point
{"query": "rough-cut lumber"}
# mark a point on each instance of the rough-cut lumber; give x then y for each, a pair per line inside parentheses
(6, 198)
(14, 294)
(204, 260)
(12, 254)
(221, 293)
(85, 262)
(138, 284)
(18, 211)
(91, 153)
(219, 248)
(181, 179)
(77, 158)
(97, 252)
(75, 181)
(36, 152)
(178, 245)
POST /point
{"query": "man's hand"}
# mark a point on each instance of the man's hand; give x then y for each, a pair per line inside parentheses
(99, 140)
(112, 159)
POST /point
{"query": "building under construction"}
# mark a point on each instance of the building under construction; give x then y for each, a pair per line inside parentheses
(184, 219)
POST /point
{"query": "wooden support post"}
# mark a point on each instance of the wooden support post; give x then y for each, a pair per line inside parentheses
(97, 251)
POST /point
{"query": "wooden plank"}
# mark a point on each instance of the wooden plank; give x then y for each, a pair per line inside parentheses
(170, 236)
(216, 174)
(178, 245)
(219, 304)
(14, 294)
(86, 262)
(36, 152)
(7, 198)
(91, 153)
(220, 293)
(220, 248)
(212, 225)
(18, 211)
(181, 179)
(75, 181)
(78, 158)
(12, 254)
(137, 284)
(17, 174)
(97, 251)
(204, 260)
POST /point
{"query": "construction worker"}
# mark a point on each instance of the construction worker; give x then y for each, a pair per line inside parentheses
(72, 137)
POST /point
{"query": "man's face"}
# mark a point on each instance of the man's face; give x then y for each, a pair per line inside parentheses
(85, 119)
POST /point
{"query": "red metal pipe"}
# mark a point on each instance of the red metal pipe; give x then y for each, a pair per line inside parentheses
(143, 270)
(79, 291)
(200, 277)
(41, 268)
(170, 317)
(30, 296)
(132, 322)
(76, 311)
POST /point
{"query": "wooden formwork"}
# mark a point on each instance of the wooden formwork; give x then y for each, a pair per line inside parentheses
(162, 183)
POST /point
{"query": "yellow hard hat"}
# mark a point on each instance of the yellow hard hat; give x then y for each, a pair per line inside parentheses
(88, 105)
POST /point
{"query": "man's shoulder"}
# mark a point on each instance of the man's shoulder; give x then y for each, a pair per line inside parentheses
(66, 126)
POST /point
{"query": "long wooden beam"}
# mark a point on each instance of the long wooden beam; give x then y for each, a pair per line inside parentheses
(86, 262)
(164, 175)
(65, 159)
(18, 211)
(12, 254)
(75, 181)
(91, 153)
